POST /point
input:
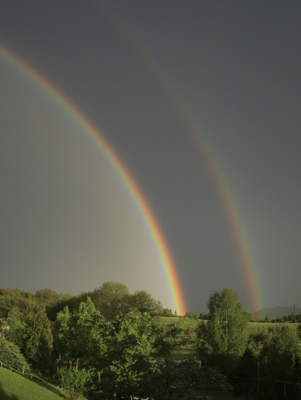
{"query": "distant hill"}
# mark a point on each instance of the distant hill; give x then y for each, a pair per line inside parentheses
(276, 312)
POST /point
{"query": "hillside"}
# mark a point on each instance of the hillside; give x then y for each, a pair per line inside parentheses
(276, 312)
(14, 386)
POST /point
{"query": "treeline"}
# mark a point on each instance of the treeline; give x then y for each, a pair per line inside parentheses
(112, 343)
(263, 363)
(111, 299)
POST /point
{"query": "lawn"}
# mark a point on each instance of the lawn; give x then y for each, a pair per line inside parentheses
(14, 386)
(190, 324)
(254, 326)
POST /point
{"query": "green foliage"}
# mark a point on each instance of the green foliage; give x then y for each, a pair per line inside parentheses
(139, 360)
(192, 315)
(110, 299)
(62, 334)
(88, 330)
(223, 337)
(17, 326)
(38, 340)
(10, 354)
(14, 297)
(75, 381)
(166, 312)
(81, 334)
(130, 355)
(48, 298)
(144, 302)
(272, 354)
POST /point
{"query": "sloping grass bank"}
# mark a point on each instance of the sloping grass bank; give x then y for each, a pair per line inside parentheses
(14, 386)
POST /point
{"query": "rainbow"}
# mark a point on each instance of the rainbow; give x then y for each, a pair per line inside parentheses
(231, 210)
(121, 170)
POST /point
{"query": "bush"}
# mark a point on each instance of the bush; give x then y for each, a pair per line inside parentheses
(10, 354)
(75, 381)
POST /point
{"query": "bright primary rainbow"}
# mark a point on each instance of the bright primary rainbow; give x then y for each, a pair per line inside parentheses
(143, 207)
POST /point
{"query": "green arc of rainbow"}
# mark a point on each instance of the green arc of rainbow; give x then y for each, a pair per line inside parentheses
(121, 170)
(231, 210)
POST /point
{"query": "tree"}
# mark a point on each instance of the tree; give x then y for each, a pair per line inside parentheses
(89, 329)
(166, 312)
(17, 326)
(38, 340)
(62, 335)
(272, 354)
(223, 337)
(139, 361)
(80, 336)
(14, 297)
(144, 302)
(130, 356)
(109, 299)
(75, 381)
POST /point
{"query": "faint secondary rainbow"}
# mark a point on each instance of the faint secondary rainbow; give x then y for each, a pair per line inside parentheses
(229, 205)
(220, 182)
(121, 170)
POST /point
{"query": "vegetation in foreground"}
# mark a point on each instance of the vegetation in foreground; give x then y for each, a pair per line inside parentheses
(112, 343)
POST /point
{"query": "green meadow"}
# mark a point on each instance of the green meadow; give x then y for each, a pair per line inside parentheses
(190, 324)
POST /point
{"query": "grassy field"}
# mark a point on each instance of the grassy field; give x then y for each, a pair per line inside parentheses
(190, 324)
(14, 386)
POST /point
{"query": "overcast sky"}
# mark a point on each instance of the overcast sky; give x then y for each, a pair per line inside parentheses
(144, 72)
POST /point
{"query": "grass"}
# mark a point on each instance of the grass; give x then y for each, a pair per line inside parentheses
(189, 325)
(190, 351)
(14, 386)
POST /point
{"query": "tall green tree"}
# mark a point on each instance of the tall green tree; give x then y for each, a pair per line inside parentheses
(130, 356)
(17, 326)
(38, 340)
(80, 336)
(89, 329)
(62, 334)
(223, 338)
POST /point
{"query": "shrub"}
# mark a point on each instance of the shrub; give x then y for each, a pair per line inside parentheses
(75, 381)
(10, 354)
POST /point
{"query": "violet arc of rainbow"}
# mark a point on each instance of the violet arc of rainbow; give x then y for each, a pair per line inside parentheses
(218, 178)
(122, 172)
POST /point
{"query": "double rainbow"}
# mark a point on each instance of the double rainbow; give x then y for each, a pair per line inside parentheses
(231, 210)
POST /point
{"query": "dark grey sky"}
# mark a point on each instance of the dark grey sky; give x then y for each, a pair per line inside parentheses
(136, 69)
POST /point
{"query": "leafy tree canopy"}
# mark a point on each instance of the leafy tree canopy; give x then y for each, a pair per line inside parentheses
(75, 381)
(272, 354)
(223, 337)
